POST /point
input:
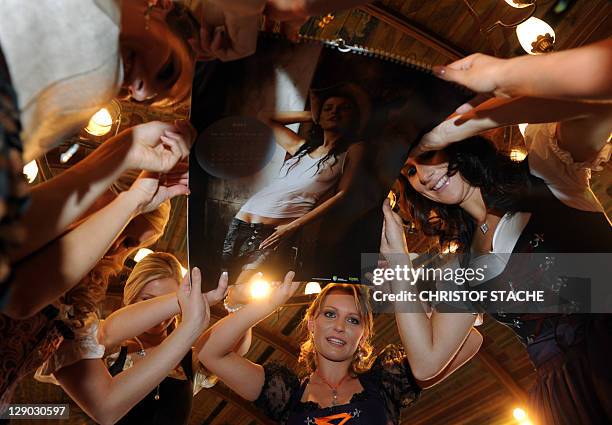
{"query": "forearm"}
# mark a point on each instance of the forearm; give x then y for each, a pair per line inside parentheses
(134, 319)
(554, 75)
(320, 210)
(60, 201)
(106, 399)
(223, 338)
(46, 275)
(285, 117)
(496, 112)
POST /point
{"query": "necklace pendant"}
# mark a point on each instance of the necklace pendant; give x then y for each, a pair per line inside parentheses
(484, 228)
(335, 398)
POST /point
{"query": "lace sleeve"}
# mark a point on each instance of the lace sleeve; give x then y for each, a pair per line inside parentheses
(392, 371)
(280, 386)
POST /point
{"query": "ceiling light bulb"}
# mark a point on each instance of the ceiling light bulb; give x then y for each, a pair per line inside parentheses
(142, 253)
(518, 154)
(519, 4)
(519, 414)
(100, 123)
(260, 289)
(312, 288)
(31, 171)
(535, 36)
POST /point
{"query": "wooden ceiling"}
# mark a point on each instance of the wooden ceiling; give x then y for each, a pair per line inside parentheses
(435, 32)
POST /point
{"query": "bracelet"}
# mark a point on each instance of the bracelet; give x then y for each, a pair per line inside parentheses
(231, 308)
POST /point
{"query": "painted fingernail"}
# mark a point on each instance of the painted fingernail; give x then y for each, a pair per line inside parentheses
(439, 70)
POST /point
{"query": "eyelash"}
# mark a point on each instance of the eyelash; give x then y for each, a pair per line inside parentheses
(331, 315)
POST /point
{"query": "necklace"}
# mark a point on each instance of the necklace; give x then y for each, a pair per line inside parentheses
(141, 352)
(484, 228)
(334, 389)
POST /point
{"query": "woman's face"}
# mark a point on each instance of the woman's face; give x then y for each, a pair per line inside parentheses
(338, 114)
(428, 175)
(338, 328)
(157, 288)
(157, 63)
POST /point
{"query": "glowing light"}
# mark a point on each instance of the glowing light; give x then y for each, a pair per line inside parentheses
(31, 171)
(526, 422)
(522, 128)
(392, 199)
(519, 4)
(183, 271)
(451, 248)
(100, 124)
(312, 288)
(519, 414)
(65, 157)
(260, 288)
(517, 155)
(531, 31)
(142, 253)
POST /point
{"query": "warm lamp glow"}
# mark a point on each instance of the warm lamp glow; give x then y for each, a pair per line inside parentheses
(522, 128)
(392, 199)
(312, 288)
(260, 289)
(451, 248)
(31, 171)
(100, 124)
(526, 422)
(517, 155)
(519, 414)
(142, 253)
(519, 4)
(535, 36)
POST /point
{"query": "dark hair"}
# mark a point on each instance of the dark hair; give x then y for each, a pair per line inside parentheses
(183, 24)
(503, 185)
(316, 138)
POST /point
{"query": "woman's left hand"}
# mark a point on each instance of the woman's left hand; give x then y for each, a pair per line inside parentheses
(393, 239)
(283, 231)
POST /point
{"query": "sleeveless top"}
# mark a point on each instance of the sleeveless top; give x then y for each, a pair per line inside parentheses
(388, 387)
(298, 188)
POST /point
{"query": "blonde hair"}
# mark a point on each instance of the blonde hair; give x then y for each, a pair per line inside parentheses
(362, 358)
(91, 290)
(159, 265)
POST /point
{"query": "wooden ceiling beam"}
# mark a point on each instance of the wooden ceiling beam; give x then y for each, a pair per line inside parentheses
(235, 400)
(412, 29)
(502, 376)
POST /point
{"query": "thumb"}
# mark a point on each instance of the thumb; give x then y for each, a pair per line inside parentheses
(176, 190)
(449, 74)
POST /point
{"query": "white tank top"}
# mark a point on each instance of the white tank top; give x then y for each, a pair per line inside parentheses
(297, 189)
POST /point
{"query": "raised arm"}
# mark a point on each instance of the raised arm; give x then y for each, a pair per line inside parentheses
(69, 258)
(59, 202)
(581, 73)
(106, 398)
(435, 346)
(351, 167)
(588, 122)
(218, 356)
(277, 121)
(134, 319)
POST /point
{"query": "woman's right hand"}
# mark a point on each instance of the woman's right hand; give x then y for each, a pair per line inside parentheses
(159, 146)
(195, 311)
(280, 293)
(393, 239)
